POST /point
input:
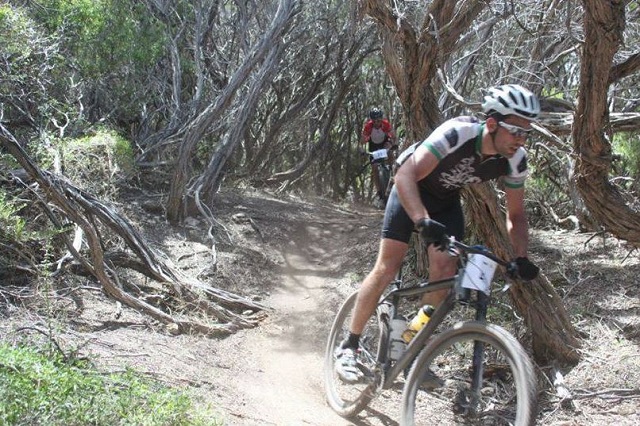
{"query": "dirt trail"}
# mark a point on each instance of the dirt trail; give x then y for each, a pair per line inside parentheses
(280, 375)
(301, 258)
(282, 381)
(298, 258)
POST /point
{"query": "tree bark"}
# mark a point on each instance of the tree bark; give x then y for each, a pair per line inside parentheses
(604, 23)
(553, 335)
(176, 204)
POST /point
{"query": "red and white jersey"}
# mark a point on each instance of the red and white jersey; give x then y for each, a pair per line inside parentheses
(377, 135)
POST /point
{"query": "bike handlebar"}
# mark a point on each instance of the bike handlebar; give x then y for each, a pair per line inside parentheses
(392, 148)
(366, 152)
(453, 245)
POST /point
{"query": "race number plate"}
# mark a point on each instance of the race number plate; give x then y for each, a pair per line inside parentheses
(478, 273)
(379, 154)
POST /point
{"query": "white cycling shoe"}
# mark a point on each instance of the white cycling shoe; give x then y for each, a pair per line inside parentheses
(346, 365)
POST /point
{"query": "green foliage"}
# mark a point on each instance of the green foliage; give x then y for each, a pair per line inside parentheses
(39, 388)
(552, 93)
(14, 32)
(102, 155)
(541, 182)
(26, 60)
(627, 146)
(81, 17)
(104, 35)
(108, 47)
(11, 224)
(7, 162)
(25, 236)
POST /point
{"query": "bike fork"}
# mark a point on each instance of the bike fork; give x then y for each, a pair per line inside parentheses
(477, 370)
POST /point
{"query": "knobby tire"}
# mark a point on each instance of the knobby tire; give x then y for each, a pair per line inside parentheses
(349, 399)
(508, 391)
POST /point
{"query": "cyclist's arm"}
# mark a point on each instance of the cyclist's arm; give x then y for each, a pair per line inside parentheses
(388, 129)
(392, 136)
(366, 132)
(517, 224)
(414, 169)
(392, 141)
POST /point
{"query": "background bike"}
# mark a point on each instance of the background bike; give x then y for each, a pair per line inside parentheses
(380, 160)
(471, 372)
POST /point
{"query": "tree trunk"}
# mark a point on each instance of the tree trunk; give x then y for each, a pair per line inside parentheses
(412, 55)
(350, 69)
(603, 24)
(209, 181)
(195, 131)
(553, 335)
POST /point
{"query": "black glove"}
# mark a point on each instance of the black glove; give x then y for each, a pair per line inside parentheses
(526, 270)
(433, 232)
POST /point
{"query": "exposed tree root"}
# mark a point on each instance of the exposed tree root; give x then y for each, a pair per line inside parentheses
(91, 216)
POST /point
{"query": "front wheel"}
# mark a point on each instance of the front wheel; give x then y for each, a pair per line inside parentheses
(349, 399)
(504, 392)
(384, 175)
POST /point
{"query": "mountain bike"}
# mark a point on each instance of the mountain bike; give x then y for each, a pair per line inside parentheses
(470, 372)
(380, 159)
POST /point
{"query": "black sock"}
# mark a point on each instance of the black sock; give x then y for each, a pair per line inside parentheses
(353, 341)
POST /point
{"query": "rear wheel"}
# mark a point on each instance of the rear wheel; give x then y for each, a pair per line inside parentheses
(349, 399)
(506, 394)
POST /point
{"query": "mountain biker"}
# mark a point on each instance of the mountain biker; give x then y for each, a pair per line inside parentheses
(426, 197)
(378, 133)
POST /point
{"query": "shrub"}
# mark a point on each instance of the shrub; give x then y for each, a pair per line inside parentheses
(40, 388)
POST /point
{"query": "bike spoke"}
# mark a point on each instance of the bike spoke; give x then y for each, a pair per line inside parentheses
(452, 399)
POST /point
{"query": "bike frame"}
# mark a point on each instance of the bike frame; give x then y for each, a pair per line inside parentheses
(456, 295)
(418, 342)
(377, 165)
(462, 387)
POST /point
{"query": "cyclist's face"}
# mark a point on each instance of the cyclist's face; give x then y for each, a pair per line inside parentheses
(377, 122)
(512, 133)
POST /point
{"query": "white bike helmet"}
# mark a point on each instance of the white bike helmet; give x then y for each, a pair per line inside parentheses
(511, 99)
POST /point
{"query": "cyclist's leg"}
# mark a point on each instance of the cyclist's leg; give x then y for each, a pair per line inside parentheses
(390, 256)
(375, 177)
(394, 244)
(396, 233)
(441, 264)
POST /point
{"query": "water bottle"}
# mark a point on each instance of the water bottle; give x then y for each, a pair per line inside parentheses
(396, 344)
(421, 318)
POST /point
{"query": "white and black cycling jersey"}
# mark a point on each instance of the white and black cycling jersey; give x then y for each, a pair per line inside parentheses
(456, 143)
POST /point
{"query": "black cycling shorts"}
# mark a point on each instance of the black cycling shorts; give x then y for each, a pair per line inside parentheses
(397, 224)
(377, 146)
